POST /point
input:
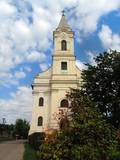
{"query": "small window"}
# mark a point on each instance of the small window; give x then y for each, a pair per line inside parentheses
(63, 65)
(64, 103)
(41, 101)
(63, 45)
(40, 121)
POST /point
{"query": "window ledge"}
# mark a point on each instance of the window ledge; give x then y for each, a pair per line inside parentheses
(64, 71)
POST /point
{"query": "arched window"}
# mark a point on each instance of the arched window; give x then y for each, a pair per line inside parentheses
(64, 103)
(40, 121)
(63, 45)
(41, 101)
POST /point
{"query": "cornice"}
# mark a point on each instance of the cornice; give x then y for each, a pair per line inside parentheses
(66, 74)
(64, 81)
(63, 55)
(41, 84)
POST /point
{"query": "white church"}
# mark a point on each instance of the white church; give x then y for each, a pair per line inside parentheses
(50, 87)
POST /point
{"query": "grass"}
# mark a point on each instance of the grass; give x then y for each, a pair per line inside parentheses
(29, 153)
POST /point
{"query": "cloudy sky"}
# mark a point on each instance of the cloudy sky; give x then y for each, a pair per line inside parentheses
(26, 29)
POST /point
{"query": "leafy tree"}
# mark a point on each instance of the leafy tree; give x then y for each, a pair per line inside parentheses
(6, 129)
(88, 136)
(102, 84)
(21, 128)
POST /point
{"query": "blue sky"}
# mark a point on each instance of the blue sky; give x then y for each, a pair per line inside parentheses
(26, 45)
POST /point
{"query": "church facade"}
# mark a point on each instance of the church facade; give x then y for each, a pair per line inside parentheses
(50, 87)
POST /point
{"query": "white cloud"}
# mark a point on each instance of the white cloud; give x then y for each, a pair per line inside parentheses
(109, 39)
(43, 66)
(20, 75)
(6, 9)
(91, 57)
(28, 26)
(7, 79)
(80, 65)
(88, 14)
(22, 36)
(19, 106)
(36, 56)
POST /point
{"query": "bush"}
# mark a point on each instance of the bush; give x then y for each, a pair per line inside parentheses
(29, 153)
(89, 136)
(36, 139)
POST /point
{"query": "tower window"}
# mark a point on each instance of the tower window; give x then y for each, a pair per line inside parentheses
(63, 65)
(64, 103)
(63, 45)
(40, 121)
(41, 101)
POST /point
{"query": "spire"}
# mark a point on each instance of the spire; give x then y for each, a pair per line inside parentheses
(63, 23)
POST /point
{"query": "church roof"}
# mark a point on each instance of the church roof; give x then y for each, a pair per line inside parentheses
(63, 23)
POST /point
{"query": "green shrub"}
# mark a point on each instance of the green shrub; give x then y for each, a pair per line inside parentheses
(29, 153)
(89, 136)
(36, 139)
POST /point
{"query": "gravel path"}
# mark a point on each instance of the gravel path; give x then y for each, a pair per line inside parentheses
(12, 150)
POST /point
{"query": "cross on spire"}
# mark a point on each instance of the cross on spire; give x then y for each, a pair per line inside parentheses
(63, 12)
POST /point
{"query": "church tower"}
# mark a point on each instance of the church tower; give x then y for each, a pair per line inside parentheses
(51, 86)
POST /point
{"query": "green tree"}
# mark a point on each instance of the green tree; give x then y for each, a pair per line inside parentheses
(6, 129)
(102, 84)
(88, 137)
(21, 128)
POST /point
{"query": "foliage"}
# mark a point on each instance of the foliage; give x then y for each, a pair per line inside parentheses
(21, 128)
(6, 132)
(36, 139)
(88, 136)
(102, 84)
(29, 153)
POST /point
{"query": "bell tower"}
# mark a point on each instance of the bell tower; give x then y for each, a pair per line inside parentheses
(65, 74)
(63, 38)
(63, 55)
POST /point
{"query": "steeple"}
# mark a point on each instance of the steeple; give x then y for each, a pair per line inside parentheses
(63, 38)
(63, 25)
